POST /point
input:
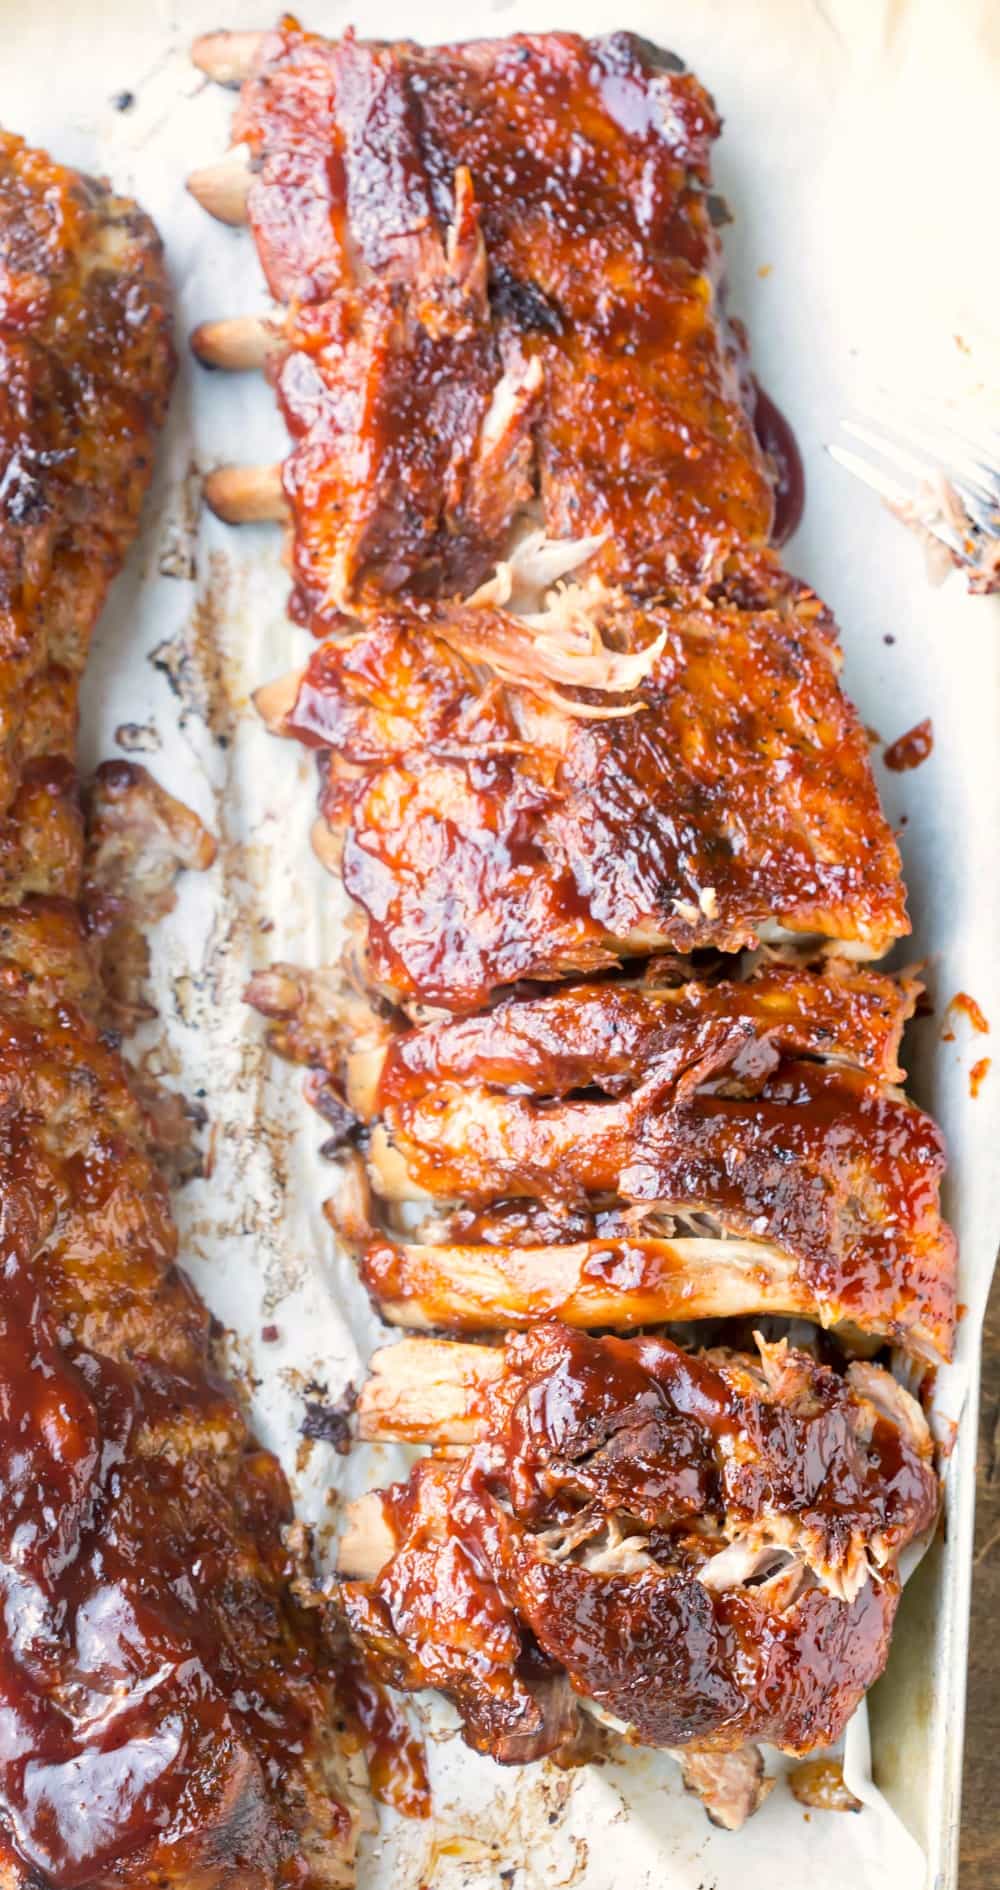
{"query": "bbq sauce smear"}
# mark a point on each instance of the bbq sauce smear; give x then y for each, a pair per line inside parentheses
(397, 1764)
(779, 442)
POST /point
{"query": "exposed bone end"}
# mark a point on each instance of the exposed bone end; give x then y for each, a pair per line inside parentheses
(731, 1785)
(222, 189)
(226, 58)
(349, 1212)
(368, 1540)
(321, 1019)
(246, 495)
(274, 701)
(238, 346)
(328, 846)
(427, 1391)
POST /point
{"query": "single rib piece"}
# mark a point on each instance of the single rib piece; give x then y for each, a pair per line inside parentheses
(608, 1034)
(169, 1712)
(504, 274)
(613, 1034)
(703, 1546)
(493, 830)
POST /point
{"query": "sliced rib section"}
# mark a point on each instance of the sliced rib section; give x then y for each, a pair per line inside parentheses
(626, 1152)
(492, 830)
(702, 1547)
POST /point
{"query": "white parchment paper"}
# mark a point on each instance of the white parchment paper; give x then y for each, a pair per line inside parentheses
(858, 159)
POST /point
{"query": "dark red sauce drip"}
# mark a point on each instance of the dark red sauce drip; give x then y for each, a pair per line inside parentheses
(779, 442)
(909, 750)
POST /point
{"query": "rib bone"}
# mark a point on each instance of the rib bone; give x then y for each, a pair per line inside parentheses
(425, 1391)
(222, 188)
(226, 58)
(368, 1540)
(238, 345)
(620, 1283)
(246, 495)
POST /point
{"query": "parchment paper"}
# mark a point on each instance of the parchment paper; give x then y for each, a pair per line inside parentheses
(859, 161)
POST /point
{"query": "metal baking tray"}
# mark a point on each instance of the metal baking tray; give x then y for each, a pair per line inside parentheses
(853, 259)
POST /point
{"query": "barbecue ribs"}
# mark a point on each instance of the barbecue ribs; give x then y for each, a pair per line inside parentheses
(502, 275)
(627, 1152)
(702, 1547)
(601, 1049)
(493, 830)
(169, 1712)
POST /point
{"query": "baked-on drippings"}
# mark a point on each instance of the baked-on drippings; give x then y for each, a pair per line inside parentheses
(909, 750)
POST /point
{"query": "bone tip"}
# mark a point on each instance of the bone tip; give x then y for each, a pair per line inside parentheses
(222, 189)
(245, 495)
(238, 346)
(202, 342)
(274, 702)
(226, 58)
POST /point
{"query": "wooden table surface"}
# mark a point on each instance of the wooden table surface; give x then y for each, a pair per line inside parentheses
(980, 1841)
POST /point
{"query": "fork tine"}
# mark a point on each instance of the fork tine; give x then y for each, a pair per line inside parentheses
(894, 494)
(979, 444)
(898, 456)
(949, 448)
(873, 476)
(980, 504)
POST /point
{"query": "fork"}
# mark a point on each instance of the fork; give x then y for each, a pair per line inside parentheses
(953, 466)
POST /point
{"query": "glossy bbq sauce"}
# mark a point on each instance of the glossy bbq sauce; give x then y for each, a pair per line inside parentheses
(779, 442)
(580, 1426)
(909, 750)
(397, 1766)
(135, 1694)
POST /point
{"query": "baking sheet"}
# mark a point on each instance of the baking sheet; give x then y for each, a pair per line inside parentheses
(857, 146)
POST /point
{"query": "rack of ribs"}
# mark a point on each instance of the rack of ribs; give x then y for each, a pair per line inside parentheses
(170, 1715)
(491, 830)
(699, 1547)
(603, 1048)
(502, 279)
